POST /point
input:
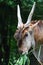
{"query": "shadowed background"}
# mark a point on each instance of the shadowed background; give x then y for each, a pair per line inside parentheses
(8, 24)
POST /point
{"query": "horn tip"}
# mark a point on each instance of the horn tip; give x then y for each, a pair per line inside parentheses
(34, 2)
(18, 6)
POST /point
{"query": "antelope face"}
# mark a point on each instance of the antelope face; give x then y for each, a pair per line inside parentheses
(24, 33)
(24, 38)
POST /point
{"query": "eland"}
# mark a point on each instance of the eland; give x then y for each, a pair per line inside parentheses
(30, 35)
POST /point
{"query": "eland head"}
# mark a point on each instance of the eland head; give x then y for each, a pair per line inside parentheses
(24, 32)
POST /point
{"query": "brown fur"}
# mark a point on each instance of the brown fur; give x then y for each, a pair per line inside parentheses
(38, 31)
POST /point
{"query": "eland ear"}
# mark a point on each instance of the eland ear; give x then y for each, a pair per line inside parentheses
(30, 15)
(19, 17)
(34, 25)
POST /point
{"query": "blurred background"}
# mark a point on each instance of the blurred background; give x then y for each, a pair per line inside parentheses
(8, 24)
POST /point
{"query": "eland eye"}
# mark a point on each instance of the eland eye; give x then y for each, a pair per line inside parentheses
(26, 34)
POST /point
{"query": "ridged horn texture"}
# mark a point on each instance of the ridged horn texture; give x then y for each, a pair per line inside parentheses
(30, 15)
(19, 17)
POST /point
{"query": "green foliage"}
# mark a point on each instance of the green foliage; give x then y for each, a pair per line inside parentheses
(9, 2)
(22, 60)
